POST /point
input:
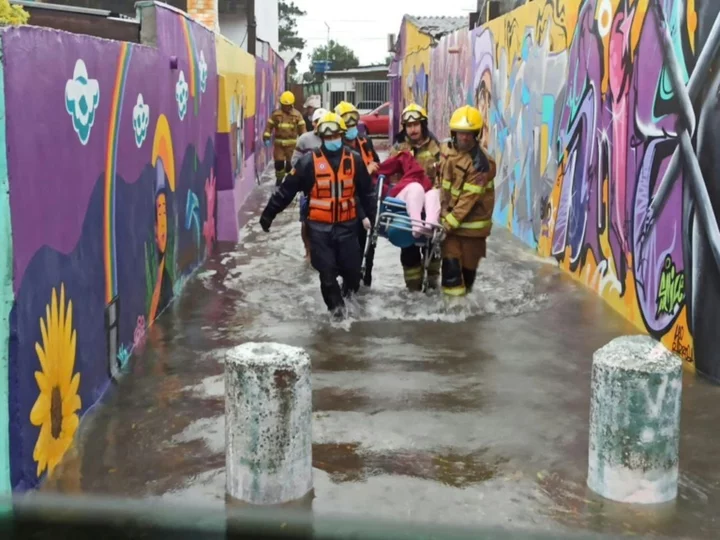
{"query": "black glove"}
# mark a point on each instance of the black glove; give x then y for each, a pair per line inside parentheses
(265, 223)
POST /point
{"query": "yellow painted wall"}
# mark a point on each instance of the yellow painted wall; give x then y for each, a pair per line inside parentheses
(236, 85)
(415, 63)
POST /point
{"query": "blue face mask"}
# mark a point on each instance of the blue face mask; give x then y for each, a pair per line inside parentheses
(333, 146)
(352, 133)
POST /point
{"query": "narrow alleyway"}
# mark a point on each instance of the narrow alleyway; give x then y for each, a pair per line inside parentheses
(462, 412)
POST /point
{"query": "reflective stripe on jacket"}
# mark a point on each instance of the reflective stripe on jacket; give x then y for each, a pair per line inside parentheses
(287, 127)
(332, 198)
(468, 191)
(426, 154)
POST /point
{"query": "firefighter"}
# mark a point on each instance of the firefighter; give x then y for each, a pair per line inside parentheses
(467, 201)
(288, 124)
(307, 142)
(363, 146)
(312, 104)
(415, 137)
(339, 191)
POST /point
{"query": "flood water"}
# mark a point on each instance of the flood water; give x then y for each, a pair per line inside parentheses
(470, 411)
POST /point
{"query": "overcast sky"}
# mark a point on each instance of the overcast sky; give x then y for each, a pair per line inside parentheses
(363, 25)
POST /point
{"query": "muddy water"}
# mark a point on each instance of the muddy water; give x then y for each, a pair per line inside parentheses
(462, 412)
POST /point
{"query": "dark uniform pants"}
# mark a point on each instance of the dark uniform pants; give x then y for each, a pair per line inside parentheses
(460, 258)
(336, 252)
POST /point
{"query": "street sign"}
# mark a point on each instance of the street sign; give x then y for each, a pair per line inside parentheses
(321, 66)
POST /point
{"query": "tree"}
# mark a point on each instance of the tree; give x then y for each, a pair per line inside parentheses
(289, 39)
(389, 59)
(340, 56)
(12, 14)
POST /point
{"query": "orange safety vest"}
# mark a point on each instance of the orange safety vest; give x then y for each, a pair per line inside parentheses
(363, 148)
(332, 198)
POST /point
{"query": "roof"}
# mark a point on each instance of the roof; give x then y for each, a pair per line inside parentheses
(438, 26)
(359, 69)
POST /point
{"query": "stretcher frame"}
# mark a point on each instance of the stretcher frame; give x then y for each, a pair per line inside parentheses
(430, 244)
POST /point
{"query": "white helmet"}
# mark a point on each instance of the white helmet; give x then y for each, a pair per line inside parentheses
(313, 101)
(318, 114)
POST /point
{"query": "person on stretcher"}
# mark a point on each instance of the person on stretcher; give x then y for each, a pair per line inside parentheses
(414, 188)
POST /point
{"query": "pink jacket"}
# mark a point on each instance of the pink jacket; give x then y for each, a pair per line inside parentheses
(410, 170)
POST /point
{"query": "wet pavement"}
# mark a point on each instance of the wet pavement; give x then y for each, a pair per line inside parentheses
(462, 412)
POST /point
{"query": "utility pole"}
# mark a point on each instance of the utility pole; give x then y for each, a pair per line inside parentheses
(327, 47)
(252, 27)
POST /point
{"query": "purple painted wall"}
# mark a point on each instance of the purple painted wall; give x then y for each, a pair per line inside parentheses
(112, 193)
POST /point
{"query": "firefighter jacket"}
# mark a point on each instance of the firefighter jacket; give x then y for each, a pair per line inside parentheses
(364, 147)
(287, 127)
(468, 192)
(427, 154)
(337, 185)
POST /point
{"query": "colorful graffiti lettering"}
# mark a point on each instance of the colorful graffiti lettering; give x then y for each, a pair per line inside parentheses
(582, 118)
(671, 291)
(454, 71)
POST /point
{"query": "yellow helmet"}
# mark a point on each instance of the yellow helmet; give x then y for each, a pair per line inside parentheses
(330, 124)
(348, 112)
(413, 113)
(466, 118)
(287, 98)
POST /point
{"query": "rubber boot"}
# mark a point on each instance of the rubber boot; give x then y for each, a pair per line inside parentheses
(469, 278)
(413, 278)
(279, 177)
(331, 293)
(411, 260)
(452, 278)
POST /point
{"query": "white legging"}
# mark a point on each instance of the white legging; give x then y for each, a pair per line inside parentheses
(416, 198)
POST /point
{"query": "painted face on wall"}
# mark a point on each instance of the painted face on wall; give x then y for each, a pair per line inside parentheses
(161, 221)
(483, 105)
(414, 131)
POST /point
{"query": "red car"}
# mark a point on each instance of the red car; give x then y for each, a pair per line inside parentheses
(377, 122)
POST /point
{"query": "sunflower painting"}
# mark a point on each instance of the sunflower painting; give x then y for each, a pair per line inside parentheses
(55, 411)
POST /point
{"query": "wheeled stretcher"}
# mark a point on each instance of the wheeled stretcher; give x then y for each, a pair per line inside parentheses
(394, 223)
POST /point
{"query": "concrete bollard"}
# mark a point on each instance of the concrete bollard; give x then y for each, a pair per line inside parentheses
(635, 421)
(268, 430)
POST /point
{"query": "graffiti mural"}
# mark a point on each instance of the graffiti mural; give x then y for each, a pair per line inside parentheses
(269, 84)
(109, 224)
(411, 67)
(583, 119)
(527, 84)
(618, 127)
(451, 66)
